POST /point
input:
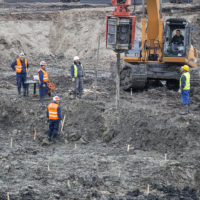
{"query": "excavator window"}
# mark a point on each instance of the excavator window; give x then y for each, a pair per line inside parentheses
(174, 43)
(120, 2)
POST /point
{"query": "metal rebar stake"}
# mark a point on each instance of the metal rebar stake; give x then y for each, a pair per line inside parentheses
(118, 81)
(96, 67)
(143, 8)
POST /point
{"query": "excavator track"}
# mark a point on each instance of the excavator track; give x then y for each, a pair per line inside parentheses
(136, 76)
(195, 80)
(133, 76)
(195, 77)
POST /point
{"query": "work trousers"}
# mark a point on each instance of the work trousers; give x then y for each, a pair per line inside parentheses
(43, 90)
(20, 78)
(185, 97)
(53, 127)
(78, 86)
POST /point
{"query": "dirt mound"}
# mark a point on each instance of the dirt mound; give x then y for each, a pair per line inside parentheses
(56, 37)
(151, 127)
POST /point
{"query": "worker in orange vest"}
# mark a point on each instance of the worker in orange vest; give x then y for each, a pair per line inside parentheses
(54, 116)
(43, 80)
(20, 65)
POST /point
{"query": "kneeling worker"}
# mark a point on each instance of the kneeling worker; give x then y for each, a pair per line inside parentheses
(54, 116)
(43, 80)
(185, 89)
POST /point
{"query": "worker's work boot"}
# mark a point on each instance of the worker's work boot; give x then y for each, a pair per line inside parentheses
(24, 92)
(75, 95)
(42, 101)
(80, 95)
(54, 139)
(187, 106)
(49, 138)
(185, 110)
(19, 93)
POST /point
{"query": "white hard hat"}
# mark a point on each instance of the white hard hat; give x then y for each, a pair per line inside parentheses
(43, 63)
(76, 58)
(21, 55)
(56, 98)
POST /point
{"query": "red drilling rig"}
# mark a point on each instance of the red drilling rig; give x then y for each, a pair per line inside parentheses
(120, 32)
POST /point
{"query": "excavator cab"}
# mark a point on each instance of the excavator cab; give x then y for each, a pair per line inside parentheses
(177, 38)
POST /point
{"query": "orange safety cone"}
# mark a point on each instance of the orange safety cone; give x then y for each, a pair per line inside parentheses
(34, 137)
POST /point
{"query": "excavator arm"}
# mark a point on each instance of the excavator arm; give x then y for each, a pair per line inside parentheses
(152, 34)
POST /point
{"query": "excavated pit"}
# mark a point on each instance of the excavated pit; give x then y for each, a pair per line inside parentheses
(90, 159)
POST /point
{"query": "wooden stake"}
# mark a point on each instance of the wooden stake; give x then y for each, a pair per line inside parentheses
(165, 157)
(34, 136)
(96, 66)
(148, 189)
(75, 146)
(131, 91)
(128, 148)
(68, 183)
(119, 174)
(8, 196)
(11, 142)
(63, 121)
(48, 168)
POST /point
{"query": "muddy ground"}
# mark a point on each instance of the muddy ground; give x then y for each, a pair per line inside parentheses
(102, 168)
(90, 159)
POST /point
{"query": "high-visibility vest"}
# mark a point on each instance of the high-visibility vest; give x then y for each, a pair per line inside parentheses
(45, 76)
(53, 111)
(76, 70)
(187, 81)
(18, 67)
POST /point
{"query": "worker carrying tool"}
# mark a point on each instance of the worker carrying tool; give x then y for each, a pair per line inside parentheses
(20, 65)
(185, 89)
(77, 73)
(43, 80)
(54, 116)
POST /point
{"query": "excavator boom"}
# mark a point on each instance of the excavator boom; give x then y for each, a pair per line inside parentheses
(153, 12)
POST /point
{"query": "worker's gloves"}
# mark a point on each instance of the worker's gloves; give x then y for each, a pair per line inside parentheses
(47, 120)
(179, 91)
(73, 79)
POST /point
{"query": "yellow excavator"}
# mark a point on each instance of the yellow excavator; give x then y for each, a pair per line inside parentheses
(164, 47)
